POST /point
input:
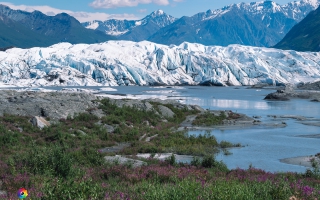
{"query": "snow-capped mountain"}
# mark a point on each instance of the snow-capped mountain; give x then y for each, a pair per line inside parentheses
(305, 36)
(145, 63)
(28, 29)
(262, 23)
(135, 30)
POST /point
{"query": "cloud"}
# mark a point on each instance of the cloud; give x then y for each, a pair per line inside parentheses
(80, 16)
(142, 10)
(124, 3)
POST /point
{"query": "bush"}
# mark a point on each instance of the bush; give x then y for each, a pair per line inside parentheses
(210, 162)
(85, 117)
(171, 160)
(196, 161)
(41, 160)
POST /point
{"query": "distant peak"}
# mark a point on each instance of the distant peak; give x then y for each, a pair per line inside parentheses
(157, 13)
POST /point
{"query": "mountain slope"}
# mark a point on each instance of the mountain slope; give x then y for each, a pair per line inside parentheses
(145, 63)
(38, 29)
(134, 30)
(13, 34)
(256, 24)
(305, 36)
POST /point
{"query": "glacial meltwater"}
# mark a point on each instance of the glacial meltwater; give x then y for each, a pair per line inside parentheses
(263, 147)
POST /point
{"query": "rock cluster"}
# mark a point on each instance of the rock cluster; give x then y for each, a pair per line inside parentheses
(310, 91)
(53, 105)
(44, 107)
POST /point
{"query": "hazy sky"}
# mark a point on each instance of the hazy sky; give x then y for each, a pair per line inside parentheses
(87, 10)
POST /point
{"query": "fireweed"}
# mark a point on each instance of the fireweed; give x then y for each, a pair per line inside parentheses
(51, 163)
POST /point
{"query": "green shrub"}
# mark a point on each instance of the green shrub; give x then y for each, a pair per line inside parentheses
(53, 160)
(209, 119)
(171, 160)
(209, 161)
(196, 161)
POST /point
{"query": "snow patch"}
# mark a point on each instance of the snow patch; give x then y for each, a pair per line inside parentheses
(93, 25)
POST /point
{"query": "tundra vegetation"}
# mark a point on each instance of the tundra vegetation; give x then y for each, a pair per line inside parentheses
(61, 162)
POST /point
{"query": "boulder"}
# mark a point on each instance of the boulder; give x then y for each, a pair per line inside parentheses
(198, 108)
(114, 149)
(165, 111)
(39, 122)
(98, 112)
(80, 132)
(140, 105)
(148, 139)
(124, 161)
(280, 96)
(109, 128)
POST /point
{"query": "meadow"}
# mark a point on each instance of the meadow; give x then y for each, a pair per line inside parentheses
(63, 161)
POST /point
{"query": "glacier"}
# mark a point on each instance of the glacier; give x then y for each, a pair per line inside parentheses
(116, 63)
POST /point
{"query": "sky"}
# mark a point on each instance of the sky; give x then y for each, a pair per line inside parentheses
(89, 10)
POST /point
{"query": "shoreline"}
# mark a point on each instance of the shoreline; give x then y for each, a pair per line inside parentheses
(300, 160)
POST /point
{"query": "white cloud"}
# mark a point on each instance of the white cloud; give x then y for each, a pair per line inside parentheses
(142, 10)
(80, 16)
(124, 3)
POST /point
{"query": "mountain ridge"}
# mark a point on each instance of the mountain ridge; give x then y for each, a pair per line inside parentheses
(262, 23)
(38, 29)
(304, 36)
(134, 30)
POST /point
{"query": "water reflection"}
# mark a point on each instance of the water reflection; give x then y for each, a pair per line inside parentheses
(228, 104)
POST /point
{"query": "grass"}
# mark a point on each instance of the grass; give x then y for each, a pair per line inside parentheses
(209, 119)
(57, 162)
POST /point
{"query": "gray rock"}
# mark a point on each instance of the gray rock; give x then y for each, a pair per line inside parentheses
(279, 95)
(39, 122)
(146, 123)
(98, 112)
(124, 161)
(109, 128)
(80, 132)
(148, 139)
(140, 105)
(3, 194)
(165, 111)
(54, 105)
(114, 149)
(198, 108)
(167, 101)
(141, 138)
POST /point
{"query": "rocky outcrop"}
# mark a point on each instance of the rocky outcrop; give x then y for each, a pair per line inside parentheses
(309, 86)
(141, 105)
(165, 111)
(109, 128)
(53, 105)
(114, 149)
(289, 92)
(124, 161)
(61, 104)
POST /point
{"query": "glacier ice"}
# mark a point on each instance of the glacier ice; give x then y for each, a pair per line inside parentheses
(116, 63)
